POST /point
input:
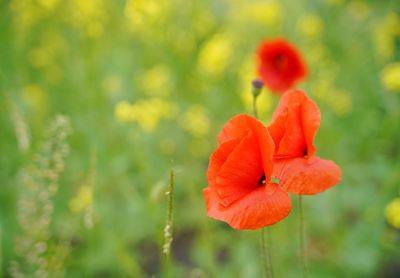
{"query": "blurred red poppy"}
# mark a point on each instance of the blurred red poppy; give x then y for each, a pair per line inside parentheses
(239, 172)
(294, 125)
(280, 65)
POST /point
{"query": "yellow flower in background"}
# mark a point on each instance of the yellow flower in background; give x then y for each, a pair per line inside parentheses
(156, 81)
(322, 87)
(203, 22)
(269, 13)
(48, 4)
(44, 56)
(140, 12)
(392, 213)
(26, 14)
(385, 33)
(83, 200)
(35, 96)
(340, 101)
(123, 112)
(310, 26)
(390, 77)
(146, 113)
(90, 16)
(214, 55)
(196, 121)
(264, 100)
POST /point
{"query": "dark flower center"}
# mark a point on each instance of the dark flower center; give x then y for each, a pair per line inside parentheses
(305, 152)
(280, 61)
(262, 180)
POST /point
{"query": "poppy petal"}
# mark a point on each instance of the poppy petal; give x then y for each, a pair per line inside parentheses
(241, 171)
(307, 176)
(311, 118)
(237, 127)
(294, 125)
(255, 210)
(218, 158)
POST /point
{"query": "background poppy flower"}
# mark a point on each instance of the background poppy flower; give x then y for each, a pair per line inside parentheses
(239, 172)
(280, 65)
(294, 125)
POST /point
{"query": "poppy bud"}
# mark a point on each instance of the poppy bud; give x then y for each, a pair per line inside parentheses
(257, 85)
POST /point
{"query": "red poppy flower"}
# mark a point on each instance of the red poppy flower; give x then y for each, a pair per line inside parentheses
(280, 65)
(239, 172)
(294, 125)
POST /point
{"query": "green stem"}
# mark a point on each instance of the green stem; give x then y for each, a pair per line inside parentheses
(255, 113)
(265, 252)
(303, 253)
(265, 244)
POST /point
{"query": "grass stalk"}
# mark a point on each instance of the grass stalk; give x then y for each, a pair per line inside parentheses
(168, 237)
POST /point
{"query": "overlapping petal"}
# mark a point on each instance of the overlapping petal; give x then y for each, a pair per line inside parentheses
(239, 125)
(254, 210)
(240, 172)
(306, 176)
(294, 125)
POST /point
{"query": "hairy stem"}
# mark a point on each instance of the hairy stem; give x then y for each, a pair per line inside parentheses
(266, 252)
(302, 251)
(255, 113)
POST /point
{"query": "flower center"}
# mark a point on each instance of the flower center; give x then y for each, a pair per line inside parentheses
(280, 61)
(262, 180)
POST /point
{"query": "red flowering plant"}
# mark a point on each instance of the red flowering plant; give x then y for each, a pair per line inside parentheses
(280, 65)
(294, 125)
(241, 190)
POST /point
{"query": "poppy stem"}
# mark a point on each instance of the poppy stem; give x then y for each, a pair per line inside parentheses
(265, 252)
(303, 253)
(169, 224)
(255, 113)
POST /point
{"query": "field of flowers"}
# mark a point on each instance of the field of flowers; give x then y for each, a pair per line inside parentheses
(101, 101)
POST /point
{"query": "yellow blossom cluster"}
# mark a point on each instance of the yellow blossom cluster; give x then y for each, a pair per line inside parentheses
(146, 112)
(140, 13)
(196, 121)
(156, 81)
(385, 34)
(310, 26)
(214, 55)
(392, 213)
(267, 12)
(90, 16)
(390, 77)
(83, 200)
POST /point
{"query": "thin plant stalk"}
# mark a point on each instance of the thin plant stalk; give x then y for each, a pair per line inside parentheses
(255, 107)
(265, 243)
(302, 251)
(265, 252)
(169, 224)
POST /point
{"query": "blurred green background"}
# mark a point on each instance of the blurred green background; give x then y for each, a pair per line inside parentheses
(144, 86)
